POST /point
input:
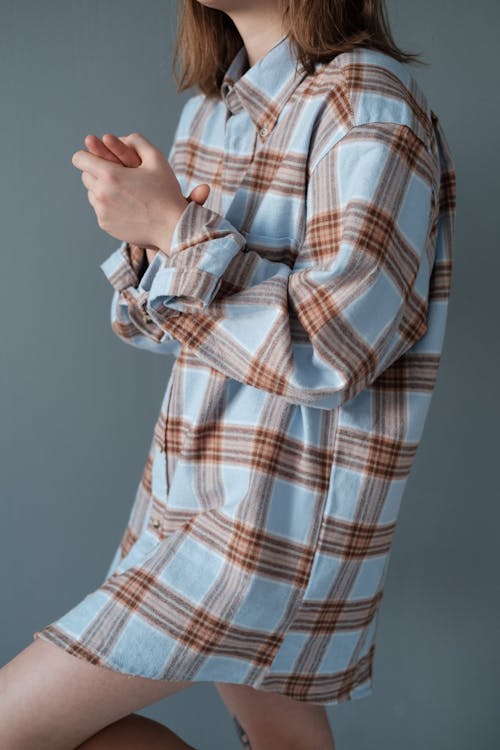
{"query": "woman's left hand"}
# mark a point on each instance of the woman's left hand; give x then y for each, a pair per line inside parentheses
(140, 205)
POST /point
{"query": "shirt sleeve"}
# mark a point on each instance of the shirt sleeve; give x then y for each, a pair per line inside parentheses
(129, 318)
(356, 297)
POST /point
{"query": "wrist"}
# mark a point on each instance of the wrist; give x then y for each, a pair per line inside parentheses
(175, 212)
(150, 254)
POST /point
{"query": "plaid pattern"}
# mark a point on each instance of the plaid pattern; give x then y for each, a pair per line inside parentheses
(305, 304)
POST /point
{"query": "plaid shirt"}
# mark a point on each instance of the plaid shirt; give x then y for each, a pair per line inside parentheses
(305, 305)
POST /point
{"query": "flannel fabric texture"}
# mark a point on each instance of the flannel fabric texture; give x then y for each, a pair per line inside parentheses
(304, 307)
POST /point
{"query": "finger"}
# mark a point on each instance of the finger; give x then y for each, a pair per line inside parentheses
(127, 154)
(147, 151)
(92, 199)
(98, 148)
(95, 165)
(89, 181)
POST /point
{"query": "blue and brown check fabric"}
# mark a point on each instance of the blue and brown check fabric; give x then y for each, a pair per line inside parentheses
(304, 307)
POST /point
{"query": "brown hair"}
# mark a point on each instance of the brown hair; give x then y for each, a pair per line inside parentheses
(207, 39)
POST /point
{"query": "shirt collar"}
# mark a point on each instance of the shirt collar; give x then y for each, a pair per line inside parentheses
(264, 88)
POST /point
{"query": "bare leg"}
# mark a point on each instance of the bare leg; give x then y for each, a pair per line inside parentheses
(133, 732)
(266, 720)
(51, 700)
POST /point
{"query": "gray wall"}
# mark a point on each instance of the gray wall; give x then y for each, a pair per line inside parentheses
(77, 405)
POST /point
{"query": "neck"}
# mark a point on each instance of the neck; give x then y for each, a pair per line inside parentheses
(259, 28)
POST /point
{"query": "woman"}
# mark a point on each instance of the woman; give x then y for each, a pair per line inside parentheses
(294, 254)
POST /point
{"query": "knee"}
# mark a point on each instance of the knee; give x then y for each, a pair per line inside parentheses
(131, 731)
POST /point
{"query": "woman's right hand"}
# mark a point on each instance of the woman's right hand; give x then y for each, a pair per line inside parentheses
(113, 149)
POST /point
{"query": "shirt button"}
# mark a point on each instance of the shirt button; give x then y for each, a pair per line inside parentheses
(263, 132)
(156, 523)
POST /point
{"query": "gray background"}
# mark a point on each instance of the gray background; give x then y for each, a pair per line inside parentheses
(78, 406)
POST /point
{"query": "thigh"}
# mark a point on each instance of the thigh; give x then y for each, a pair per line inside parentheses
(264, 719)
(52, 700)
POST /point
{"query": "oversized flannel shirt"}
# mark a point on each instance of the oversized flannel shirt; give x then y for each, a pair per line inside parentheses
(304, 308)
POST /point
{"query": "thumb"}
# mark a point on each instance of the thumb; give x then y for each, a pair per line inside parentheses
(199, 193)
(146, 150)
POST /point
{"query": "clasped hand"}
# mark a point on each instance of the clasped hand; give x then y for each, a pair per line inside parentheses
(140, 205)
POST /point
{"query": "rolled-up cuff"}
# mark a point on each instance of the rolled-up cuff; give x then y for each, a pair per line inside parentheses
(203, 245)
(125, 266)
